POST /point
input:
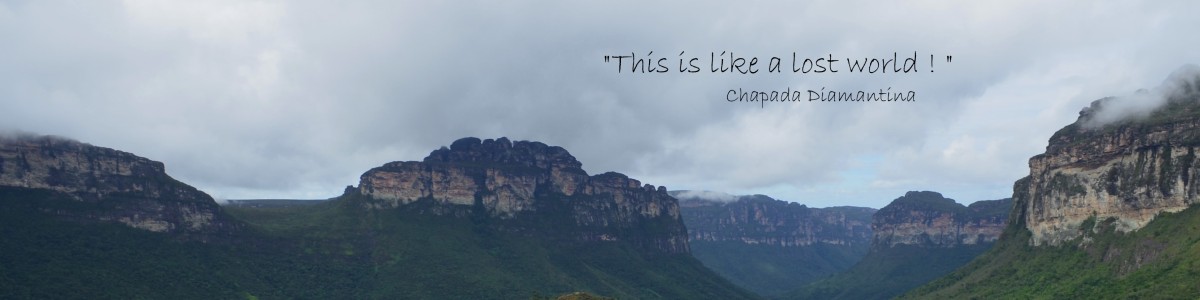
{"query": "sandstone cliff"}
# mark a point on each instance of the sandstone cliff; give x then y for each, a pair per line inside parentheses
(1129, 169)
(524, 186)
(106, 185)
(916, 238)
(929, 219)
(772, 246)
(759, 219)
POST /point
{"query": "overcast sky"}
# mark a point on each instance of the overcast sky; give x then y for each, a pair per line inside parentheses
(295, 99)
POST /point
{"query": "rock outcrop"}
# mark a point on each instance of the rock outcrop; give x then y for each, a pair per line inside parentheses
(524, 184)
(762, 220)
(108, 185)
(1128, 168)
(931, 220)
(771, 246)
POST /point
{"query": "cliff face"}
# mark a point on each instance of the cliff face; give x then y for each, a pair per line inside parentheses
(917, 238)
(1130, 169)
(761, 220)
(931, 220)
(524, 183)
(122, 187)
(771, 246)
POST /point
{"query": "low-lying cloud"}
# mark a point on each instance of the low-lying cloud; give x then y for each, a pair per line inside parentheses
(706, 195)
(1178, 86)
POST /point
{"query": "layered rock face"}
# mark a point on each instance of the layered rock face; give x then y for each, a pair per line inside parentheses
(931, 220)
(121, 186)
(761, 220)
(1127, 168)
(517, 182)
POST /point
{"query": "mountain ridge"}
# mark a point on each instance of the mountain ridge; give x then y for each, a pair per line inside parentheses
(109, 185)
(768, 245)
(1107, 211)
(916, 238)
(66, 238)
(522, 180)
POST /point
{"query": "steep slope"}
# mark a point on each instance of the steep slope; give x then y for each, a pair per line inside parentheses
(1107, 211)
(106, 185)
(771, 246)
(930, 220)
(529, 187)
(67, 239)
(917, 238)
(81, 222)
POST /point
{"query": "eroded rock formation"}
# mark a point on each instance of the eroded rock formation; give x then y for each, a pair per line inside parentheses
(517, 182)
(761, 220)
(929, 219)
(112, 185)
(1128, 168)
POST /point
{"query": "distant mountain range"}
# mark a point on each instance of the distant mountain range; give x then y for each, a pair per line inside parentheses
(1106, 212)
(486, 219)
(771, 246)
(917, 238)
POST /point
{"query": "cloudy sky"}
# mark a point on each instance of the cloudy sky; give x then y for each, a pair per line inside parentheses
(295, 99)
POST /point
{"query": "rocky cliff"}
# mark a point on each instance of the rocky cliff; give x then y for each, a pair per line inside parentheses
(1106, 212)
(917, 238)
(771, 246)
(525, 185)
(929, 219)
(1116, 163)
(760, 219)
(106, 185)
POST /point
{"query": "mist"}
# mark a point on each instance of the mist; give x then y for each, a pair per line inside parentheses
(706, 195)
(1181, 84)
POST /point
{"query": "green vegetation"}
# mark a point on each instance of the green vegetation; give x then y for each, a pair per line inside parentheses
(900, 210)
(1161, 261)
(573, 296)
(927, 201)
(747, 240)
(1177, 110)
(991, 208)
(1072, 185)
(888, 272)
(773, 270)
(332, 250)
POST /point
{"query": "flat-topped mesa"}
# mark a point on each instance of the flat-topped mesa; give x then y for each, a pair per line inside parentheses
(501, 151)
(509, 179)
(762, 220)
(1127, 167)
(503, 174)
(928, 219)
(122, 187)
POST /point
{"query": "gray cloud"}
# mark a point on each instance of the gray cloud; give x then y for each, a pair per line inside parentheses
(297, 98)
(1140, 104)
(706, 195)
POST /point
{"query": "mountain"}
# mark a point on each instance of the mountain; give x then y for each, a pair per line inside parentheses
(1106, 212)
(95, 184)
(931, 220)
(770, 246)
(529, 187)
(486, 220)
(916, 238)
